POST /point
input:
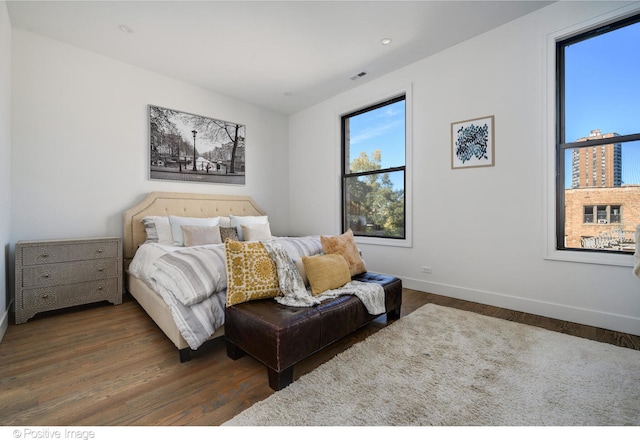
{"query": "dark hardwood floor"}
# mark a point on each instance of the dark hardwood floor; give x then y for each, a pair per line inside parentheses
(105, 365)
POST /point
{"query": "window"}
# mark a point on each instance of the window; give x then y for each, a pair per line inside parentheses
(614, 214)
(588, 214)
(374, 170)
(598, 138)
(603, 214)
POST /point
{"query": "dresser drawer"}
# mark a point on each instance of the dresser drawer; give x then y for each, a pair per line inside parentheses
(57, 253)
(50, 298)
(54, 274)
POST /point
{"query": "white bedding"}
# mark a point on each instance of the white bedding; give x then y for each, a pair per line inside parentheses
(192, 281)
(146, 254)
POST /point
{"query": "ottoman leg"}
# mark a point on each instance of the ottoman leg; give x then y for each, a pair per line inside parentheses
(394, 314)
(279, 380)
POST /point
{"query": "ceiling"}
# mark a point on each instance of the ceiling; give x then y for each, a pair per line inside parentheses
(280, 55)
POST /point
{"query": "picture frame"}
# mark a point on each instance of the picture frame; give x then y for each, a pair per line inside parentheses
(185, 147)
(473, 143)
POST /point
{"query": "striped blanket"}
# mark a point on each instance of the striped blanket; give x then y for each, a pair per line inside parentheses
(193, 282)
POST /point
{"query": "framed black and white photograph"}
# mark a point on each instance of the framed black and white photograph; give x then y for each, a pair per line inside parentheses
(194, 148)
(472, 143)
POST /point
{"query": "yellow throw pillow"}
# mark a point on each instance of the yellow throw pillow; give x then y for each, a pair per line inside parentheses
(345, 245)
(326, 272)
(251, 274)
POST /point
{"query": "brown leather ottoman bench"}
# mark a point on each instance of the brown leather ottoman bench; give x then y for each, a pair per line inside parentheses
(280, 336)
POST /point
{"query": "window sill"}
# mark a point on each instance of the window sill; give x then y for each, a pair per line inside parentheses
(384, 241)
(590, 258)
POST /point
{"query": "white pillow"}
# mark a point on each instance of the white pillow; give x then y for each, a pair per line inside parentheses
(256, 232)
(176, 223)
(247, 220)
(225, 222)
(158, 229)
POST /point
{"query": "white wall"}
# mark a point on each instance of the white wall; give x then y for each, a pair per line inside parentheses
(79, 137)
(5, 161)
(80, 141)
(481, 230)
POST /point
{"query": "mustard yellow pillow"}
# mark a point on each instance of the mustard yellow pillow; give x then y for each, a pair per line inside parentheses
(345, 245)
(326, 272)
(251, 274)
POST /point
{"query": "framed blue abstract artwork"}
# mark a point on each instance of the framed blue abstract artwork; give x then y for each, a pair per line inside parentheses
(472, 143)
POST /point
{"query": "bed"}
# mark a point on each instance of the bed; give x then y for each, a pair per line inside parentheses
(138, 252)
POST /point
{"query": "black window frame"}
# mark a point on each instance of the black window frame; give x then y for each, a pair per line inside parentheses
(347, 174)
(562, 145)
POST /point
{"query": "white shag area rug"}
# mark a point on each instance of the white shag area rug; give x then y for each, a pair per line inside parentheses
(440, 366)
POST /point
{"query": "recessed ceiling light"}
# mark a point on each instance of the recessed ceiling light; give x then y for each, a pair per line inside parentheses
(126, 29)
(385, 41)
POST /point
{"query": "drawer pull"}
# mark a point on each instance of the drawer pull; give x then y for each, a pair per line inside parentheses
(45, 296)
(100, 288)
(45, 276)
(99, 251)
(45, 255)
(101, 269)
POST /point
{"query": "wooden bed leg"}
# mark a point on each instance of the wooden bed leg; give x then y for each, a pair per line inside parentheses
(279, 380)
(233, 351)
(185, 354)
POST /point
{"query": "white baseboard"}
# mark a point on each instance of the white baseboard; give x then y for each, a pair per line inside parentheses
(595, 318)
(4, 323)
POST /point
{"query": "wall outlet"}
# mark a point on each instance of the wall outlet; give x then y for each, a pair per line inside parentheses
(426, 269)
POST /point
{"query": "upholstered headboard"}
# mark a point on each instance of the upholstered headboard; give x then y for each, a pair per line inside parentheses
(181, 204)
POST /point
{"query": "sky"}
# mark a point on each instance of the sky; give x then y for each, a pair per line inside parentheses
(602, 77)
(381, 129)
(202, 143)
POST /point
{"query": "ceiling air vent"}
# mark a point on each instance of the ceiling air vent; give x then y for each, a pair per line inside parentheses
(358, 75)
